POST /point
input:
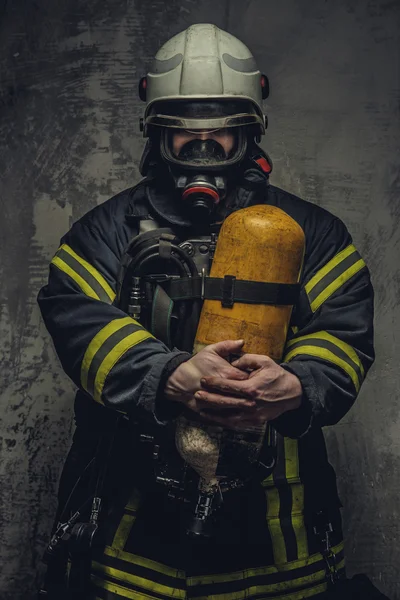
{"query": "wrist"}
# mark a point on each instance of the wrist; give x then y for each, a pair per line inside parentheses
(165, 406)
(296, 422)
(297, 391)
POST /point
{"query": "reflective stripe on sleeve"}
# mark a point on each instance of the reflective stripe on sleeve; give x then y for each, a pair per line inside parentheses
(91, 282)
(327, 347)
(333, 275)
(104, 351)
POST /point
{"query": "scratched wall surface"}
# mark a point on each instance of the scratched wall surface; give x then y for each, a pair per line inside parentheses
(69, 140)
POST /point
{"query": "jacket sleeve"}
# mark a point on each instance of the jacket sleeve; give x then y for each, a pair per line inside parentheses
(106, 353)
(330, 348)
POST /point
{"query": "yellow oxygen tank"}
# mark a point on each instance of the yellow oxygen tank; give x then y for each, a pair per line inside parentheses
(259, 243)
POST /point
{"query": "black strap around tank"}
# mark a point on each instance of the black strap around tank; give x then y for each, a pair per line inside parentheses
(230, 290)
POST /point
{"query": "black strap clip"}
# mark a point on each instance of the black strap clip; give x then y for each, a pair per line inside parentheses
(323, 530)
(228, 291)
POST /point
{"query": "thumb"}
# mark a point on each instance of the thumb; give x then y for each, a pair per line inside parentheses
(251, 361)
(226, 347)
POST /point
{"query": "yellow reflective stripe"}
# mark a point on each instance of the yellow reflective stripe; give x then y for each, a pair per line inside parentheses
(326, 355)
(85, 287)
(265, 589)
(97, 342)
(134, 559)
(94, 272)
(114, 356)
(292, 460)
(259, 571)
(125, 577)
(127, 521)
(274, 526)
(340, 256)
(123, 531)
(268, 481)
(119, 590)
(324, 335)
(336, 284)
(346, 357)
(297, 491)
(298, 520)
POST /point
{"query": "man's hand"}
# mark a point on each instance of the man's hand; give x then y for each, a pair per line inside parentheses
(273, 390)
(184, 382)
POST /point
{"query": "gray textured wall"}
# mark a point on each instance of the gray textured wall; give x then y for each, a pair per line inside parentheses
(69, 140)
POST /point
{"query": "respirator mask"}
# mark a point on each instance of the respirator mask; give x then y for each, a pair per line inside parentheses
(200, 163)
(202, 144)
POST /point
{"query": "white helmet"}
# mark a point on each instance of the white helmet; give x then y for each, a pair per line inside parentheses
(204, 78)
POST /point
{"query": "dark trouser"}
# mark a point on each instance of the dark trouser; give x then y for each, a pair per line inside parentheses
(142, 550)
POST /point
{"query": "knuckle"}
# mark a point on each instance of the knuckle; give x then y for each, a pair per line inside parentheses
(252, 390)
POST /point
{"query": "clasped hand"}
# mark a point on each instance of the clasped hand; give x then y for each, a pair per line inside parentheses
(246, 393)
(270, 390)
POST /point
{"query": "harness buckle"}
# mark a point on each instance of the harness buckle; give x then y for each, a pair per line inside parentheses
(203, 277)
(228, 291)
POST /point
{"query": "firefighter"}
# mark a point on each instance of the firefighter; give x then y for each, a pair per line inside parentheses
(202, 162)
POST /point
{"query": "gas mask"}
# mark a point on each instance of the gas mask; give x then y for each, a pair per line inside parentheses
(202, 166)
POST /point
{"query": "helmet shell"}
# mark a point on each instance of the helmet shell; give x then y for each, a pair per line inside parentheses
(204, 63)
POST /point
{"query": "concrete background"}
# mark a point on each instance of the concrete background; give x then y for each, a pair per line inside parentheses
(69, 139)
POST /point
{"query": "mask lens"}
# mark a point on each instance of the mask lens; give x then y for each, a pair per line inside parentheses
(202, 147)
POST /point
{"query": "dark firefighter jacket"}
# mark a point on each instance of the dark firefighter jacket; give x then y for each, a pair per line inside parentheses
(117, 363)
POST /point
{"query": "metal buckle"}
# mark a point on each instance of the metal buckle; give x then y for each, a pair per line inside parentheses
(160, 277)
(323, 535)
(203, 277)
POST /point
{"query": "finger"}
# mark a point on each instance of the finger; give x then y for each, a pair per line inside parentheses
(226, 347)
(236, 374)
(251, 361)
(227, 386)
(222, 401)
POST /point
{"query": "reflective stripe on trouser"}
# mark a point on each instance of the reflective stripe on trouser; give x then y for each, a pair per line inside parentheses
(292, 573)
